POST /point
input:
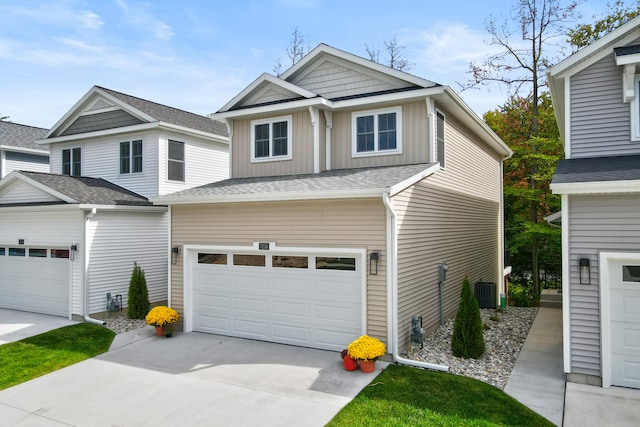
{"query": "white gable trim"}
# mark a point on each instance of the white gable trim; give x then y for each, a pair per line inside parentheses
(395, 189)
(266, 78)
(16, 175)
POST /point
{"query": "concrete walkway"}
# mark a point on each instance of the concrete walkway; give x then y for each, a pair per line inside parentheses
(17, 325)
(537, 379)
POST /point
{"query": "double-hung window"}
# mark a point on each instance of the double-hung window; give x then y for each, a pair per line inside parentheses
(175, 164)
(377, 132)
(271, 139)
(71, 162)
(131, 157)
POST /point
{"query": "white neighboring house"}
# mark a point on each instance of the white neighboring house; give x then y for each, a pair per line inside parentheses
(19, 151)
(69, 237)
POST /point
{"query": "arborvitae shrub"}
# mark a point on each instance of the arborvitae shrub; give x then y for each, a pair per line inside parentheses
(467, 340)
(138, 294)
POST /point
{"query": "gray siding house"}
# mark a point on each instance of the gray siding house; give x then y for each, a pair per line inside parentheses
(350, 183)
(19, 150)
(596, 95)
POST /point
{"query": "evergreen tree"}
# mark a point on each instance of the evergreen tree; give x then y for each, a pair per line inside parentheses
(138, 294)
(467, 340)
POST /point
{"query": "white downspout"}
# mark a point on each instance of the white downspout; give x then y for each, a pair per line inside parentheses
(85, 298)
(328, 118)
(392, 277)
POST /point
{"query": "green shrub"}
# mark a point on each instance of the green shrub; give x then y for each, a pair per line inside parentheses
(467, 340)
(138, 294)
(520, 296)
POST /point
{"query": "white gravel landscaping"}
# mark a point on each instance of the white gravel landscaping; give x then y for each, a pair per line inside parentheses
(503, 340)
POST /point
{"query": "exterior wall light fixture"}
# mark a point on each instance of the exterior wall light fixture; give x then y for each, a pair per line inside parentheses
(585, 271)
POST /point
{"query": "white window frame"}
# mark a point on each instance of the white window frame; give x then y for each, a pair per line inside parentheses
(270, 121)
(376, 151)
(443, 163)
(71, 160)
(183, 161)
(130, 142)
(635, 110)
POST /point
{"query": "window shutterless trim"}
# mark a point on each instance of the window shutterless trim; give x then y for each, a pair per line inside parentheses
(376, 132)
(270, 140)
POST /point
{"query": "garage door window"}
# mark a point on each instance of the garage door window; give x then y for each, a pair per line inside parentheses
(631, 273)
(37, 253)
(220, 259)
(59, 253)
(17, 252)
(290, 261)
(2, 251)
(333, 263)
(249, 260)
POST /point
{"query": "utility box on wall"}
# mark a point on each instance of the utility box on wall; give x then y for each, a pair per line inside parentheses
(485, 294)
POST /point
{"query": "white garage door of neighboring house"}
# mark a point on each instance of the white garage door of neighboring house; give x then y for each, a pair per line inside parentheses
(304, 299)
(35, 279)
(622, 363)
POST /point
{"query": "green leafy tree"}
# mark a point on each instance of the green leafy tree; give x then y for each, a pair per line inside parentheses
(584, 34)
(467, 340)
(138, 294)
(524, 190)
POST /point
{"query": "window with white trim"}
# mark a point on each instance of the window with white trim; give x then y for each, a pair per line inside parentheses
(440, 146)
(377, 132)
(131, 157)
(175, 161)
(72, 161)
(271, 139)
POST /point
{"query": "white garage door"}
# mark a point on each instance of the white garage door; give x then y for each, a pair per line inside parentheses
(35, 279)
(302, 299)
(624, 288)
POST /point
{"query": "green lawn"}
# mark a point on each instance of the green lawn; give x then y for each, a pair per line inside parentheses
(32, 357)
(404, 396)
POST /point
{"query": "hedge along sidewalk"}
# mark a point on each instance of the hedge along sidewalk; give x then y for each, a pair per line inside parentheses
(38, 355)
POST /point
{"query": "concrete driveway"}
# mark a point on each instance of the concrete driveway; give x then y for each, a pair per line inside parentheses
(190, 379)
(16, 325)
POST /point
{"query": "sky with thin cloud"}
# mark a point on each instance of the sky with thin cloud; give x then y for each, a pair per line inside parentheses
(196, 54)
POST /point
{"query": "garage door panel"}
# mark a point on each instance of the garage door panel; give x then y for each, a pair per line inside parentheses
(35, 284)
(299, 306)
(625, 371)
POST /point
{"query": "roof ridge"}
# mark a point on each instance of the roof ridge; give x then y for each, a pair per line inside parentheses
(22, 124)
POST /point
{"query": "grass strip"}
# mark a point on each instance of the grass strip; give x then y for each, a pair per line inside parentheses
(41, 354)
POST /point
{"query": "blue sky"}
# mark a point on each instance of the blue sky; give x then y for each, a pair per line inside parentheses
(196, 55)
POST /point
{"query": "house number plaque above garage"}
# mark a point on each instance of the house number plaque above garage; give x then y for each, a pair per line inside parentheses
(263, 246)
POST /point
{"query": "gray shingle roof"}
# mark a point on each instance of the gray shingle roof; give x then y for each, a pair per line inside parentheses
(596, 169)
(335, 180)
(21, 136)
(171, 115)
(90, 191)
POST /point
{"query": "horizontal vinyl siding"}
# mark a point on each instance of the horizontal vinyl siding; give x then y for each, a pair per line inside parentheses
(332, 79)
(435, 225)
(597, 223)
(205, 162)
(302, 150)
(21, 192)
(600, 121)
(25, 162)
(344, 224)
(117, 240)
(101, 159)
(415, 147)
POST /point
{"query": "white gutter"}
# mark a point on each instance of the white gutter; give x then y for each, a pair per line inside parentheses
(85, 310)
(392, 277)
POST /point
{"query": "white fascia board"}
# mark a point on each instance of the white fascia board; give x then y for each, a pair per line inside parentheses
(100, 133)
(628, 59)
(395, 189)
(127, 208)
(17, 176)
(401, 96)
(23, 150)
(39, 208)
(270, 197)
(70, 112)
(194, 132)
(279, 108)
(597, 187)
(326, 49)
